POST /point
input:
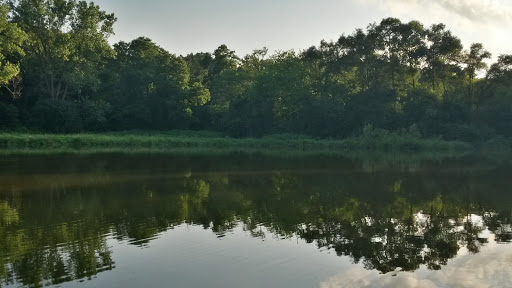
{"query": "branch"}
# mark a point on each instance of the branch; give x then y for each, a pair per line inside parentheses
(17, 89)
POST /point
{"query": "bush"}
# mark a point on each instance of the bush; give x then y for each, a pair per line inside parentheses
(414, 131)
(57, 116)
(498, 145)
(94, 114)
(464, 132)
(498, 115)
(9, 116)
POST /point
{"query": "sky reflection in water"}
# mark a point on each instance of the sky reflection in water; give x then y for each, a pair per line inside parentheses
(248, 221)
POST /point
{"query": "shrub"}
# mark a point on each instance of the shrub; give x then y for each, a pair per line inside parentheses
(463, 132)
(57, 116)
(94, 114)
(9, 116)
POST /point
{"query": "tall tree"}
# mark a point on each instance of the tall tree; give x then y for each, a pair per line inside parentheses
(11, 41)
(199, 65)
(413, 49)
(357, 54)
(225, 82)
(474, 62)
(501, 68)
(278, 95)
(224, 59)
(388, 40)
(156, 90)
(442, 57)
(495, 104)
(67, 44)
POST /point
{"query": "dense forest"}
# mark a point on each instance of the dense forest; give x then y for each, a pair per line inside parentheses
(59, 74)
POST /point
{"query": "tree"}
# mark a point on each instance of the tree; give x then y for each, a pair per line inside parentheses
(388, 42)
(11, 51)
(442, 56)
(227, 82)
(256, 60)
(413, 49)
(474, 61)
(224, 59)
(500, 69)
(199, 65)
(356, 53)
(67, 44)
(495, 105)
(278, 95)
(156, 90)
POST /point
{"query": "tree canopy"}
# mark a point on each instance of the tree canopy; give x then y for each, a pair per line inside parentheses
(60, 74)
(11, 39)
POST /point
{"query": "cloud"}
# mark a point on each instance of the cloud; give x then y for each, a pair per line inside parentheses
(481, 11)
(492, 267)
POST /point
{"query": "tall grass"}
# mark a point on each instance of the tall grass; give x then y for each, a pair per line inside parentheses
(369, 141)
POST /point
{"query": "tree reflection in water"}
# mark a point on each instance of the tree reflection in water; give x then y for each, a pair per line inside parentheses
(55, 223)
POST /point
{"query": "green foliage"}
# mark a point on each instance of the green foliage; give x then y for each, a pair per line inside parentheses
(464, 132)
(155, 88)
(9, 116)
(66, 47)
(94, 114)
(403, 140)
(392, 76)
(11, 41)
(498, 146)
(57, 116)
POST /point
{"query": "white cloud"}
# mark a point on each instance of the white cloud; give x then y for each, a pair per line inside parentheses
(482, 11)
(492, 267)
(479, 10)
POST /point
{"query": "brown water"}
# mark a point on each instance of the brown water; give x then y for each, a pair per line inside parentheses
(253, 221)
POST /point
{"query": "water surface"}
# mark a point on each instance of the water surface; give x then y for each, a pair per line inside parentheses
(253, 221)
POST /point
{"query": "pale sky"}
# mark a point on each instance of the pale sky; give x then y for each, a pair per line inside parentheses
(184, 26)
(489, 268)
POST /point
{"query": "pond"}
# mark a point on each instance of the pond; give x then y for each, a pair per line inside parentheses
(114, 220)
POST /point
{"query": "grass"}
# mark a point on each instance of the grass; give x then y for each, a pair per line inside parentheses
(212, 142)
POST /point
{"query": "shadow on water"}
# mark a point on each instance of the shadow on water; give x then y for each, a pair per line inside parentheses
(58, 212)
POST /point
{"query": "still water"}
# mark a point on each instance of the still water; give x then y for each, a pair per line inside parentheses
(253, 221)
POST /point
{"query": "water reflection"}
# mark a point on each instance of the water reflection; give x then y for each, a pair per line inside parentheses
(56, 214)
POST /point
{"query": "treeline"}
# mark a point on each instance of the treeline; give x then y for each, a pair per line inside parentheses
(59, 74)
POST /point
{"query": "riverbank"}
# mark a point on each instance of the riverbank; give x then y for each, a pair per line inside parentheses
(215, 142)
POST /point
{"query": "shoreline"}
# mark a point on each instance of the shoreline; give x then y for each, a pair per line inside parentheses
(206, 142)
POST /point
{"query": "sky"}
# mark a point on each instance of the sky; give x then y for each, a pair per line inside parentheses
(462, 272)
(185, 26)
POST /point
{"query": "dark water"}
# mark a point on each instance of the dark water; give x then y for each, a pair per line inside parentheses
(253, 221)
